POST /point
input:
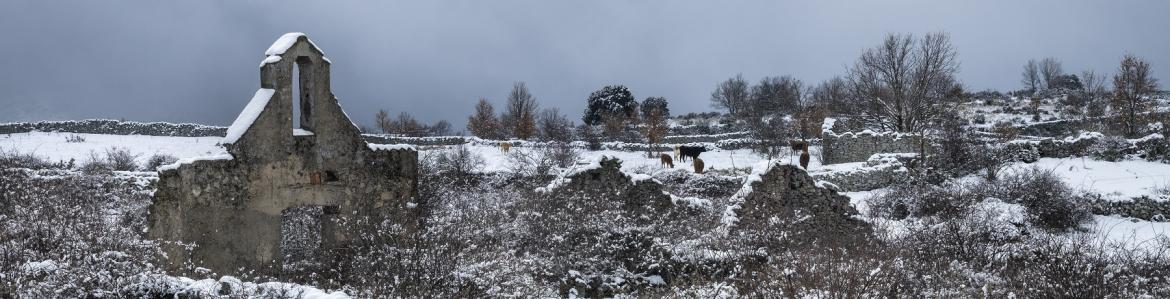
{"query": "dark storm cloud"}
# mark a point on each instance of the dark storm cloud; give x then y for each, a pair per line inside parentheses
(196, 61)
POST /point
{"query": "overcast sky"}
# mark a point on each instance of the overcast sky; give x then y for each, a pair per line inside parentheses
(196, 61)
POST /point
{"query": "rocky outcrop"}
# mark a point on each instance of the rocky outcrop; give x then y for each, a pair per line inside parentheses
(781, 205)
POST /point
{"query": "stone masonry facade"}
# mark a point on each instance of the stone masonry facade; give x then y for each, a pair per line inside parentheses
(225, 213)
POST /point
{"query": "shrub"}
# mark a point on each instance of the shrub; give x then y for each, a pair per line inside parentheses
(921, 199)
(458, 161)
(74, 138)
(1110, 148)
(1050, 202)
(159, 160)
(96, 164)
(120, 159)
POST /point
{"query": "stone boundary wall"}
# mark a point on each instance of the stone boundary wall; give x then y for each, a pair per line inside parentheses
(114, 127)
(880, 171)
(1153, 147)
(1143, 208)
(1067, 127)
(859, 146)
(728, 141)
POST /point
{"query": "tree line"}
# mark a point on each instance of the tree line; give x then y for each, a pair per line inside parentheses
(905, 83)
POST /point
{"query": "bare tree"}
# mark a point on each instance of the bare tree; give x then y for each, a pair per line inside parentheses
(483, 122)
(899, 84)
(1131, 86)
(1031, 76)
(406, 125)
(775, 95)
(1093, 93)
(440, 128)
(654, 126)
(382, 120)
(832, 94)
(731, 95)
(520, 112)
(555, 126)
(1050, 71)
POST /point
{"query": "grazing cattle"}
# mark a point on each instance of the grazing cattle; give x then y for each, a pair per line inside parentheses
(505, 146)
(690, 151)
(804, 159)
(698, 165)
(676, 157)
(798, 145)
(667, 161)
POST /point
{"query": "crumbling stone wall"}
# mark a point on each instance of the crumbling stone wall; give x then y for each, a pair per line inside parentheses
(880, 171)
(230, 208)
(784, 207)
(859, 146)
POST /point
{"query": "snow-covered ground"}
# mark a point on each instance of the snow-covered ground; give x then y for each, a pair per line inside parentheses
(1115, 180)
(54, 147)
(637, 162)
(1131, 233)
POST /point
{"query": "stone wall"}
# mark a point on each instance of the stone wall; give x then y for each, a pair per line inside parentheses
(1144, 208)
(115, 127)
(784, 204)
(880, 171)
(848, 147)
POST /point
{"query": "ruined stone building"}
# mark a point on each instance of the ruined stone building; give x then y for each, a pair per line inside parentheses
(238, 210)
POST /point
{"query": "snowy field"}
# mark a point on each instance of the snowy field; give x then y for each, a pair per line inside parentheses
(1115, 180)
(54, 147)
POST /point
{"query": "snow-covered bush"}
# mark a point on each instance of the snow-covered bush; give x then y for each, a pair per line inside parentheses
(1110, 148)
(458, 161)
(157, 160)
(921, 199)
(1049, 202)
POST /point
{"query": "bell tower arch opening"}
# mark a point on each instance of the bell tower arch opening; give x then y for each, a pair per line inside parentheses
(302, 88)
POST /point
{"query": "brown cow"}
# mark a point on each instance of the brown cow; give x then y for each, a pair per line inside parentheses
(804, 159)
(505, 146)
(698, 165)
(667, 161)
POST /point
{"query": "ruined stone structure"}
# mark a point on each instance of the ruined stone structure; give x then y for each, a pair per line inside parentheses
(783, 206)
(282, 191)
(838, 146)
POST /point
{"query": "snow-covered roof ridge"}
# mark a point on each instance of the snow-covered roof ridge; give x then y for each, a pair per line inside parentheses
(286, 41)
(249, 115)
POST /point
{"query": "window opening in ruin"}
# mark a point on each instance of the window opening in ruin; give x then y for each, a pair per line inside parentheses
(296, 96)
(331, 176)
(303, 85)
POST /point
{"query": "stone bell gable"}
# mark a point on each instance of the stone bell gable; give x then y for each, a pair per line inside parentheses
(282, 193)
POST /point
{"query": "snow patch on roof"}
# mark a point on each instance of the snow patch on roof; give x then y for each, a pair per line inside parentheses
(249, 115)
(173, 166)
(390, 147)
(270, 59)
(286, 41)
(282, 44)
